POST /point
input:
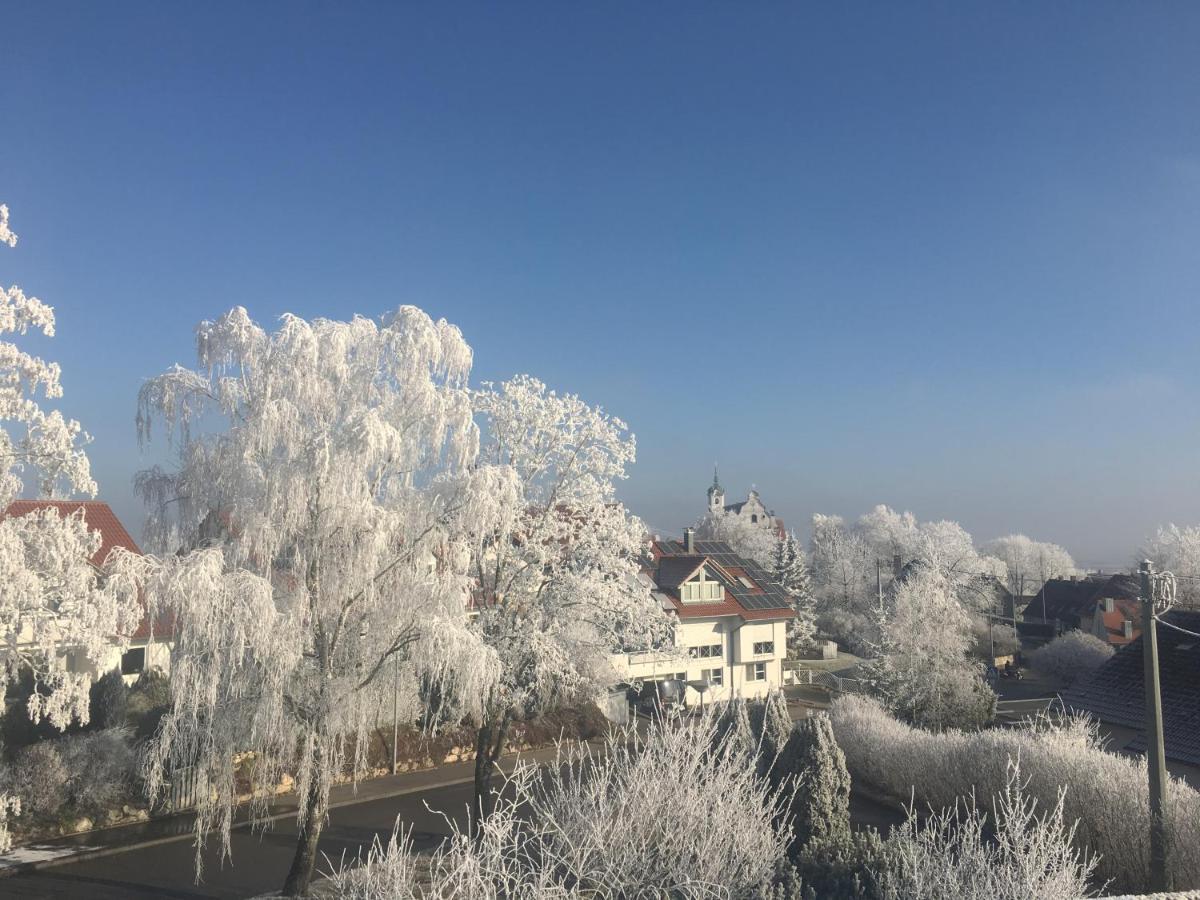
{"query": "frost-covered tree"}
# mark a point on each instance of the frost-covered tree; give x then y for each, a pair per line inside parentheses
(1071, 656)
(753, 540)
(1028, 564)
(789, 567)
(1177, 550)
(821, 808)
(1017, 853)
(309, 552)
(51, 597)
(889, 534)
(52, 600)
(556, 571)
(922, 668)
(839, 559)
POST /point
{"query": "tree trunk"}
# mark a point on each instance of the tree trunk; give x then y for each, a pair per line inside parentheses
(489, 744)
(306, 846)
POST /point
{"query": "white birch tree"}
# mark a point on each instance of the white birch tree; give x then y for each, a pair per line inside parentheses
(51, 597)
(556, 575)
(307, 549)
(52, 601)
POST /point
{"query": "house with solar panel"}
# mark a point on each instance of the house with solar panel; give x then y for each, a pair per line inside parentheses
(147, 646)
(730, 623)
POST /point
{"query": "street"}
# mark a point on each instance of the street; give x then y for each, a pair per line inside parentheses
(260, 861)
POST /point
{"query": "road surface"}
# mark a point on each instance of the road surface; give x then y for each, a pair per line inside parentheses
(260, 861)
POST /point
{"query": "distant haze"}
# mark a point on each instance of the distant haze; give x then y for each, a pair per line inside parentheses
(940, 258)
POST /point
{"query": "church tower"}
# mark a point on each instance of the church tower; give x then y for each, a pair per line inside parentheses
(716, 495)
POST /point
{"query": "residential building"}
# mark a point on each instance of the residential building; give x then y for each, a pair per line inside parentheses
(1104, 605)
(1115, 693)
(143, 652)
(730, 622)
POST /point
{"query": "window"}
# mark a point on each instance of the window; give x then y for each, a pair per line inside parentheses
(681, 676)
(133, 661)
(701, 590)
(710, 651)
(763, 647)
(715, 677)
(754, 518)
(756, 672)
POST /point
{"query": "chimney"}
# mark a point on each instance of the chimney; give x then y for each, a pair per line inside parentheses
(1128, 628)
(689, 540)
(896, 567)
(1108, 604)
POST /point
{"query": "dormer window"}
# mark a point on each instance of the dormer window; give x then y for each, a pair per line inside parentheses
(701, 589)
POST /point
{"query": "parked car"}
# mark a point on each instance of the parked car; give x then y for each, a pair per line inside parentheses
(660, 695)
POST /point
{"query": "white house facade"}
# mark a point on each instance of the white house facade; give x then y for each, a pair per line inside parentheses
(730, 623)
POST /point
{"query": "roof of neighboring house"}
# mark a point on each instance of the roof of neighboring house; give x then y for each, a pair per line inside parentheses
(1124, 610)
(748, 590)
(1115, 692)
(99, 517)
(96, 513)
(1070, 601)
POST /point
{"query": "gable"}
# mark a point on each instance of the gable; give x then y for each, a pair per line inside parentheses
(704, 586)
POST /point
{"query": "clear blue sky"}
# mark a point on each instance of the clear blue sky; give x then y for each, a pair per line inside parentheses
(943, 257)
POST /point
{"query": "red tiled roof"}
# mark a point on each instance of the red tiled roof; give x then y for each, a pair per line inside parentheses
(1114, 622)
(669, 556)
(96, 513)
(98, 516)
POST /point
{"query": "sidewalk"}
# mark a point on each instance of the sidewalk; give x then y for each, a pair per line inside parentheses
(169, 829)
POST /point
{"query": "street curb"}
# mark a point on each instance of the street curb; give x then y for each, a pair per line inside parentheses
(98, 852)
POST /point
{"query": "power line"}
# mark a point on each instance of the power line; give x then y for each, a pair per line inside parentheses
(1162, 621)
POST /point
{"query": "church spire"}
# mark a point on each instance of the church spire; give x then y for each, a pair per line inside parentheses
(716, 494)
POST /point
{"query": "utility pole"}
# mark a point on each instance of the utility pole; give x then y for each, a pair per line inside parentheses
(395, 708)
(1156, 760)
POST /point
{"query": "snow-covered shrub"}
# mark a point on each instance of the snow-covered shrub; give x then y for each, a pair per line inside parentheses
(109, 700)
(102, 767)
(960, 853)
(645, 817)
(37, 776)
(1071, 656)
(89, 773)
(148, 700)
(1106, 793)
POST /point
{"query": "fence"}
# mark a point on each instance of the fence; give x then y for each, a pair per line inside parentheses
(831, 682)
(184, 792)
